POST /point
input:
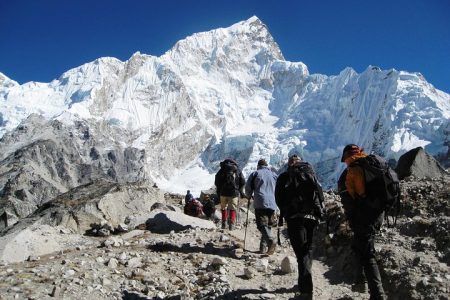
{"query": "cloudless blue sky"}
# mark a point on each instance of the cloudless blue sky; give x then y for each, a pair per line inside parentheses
(41, 39)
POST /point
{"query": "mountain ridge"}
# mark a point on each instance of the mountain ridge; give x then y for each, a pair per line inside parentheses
(229, 92)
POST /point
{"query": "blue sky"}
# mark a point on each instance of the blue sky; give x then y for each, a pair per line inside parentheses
(39, 40)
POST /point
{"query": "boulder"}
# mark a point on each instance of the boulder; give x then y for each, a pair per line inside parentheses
(419, 164)
(58, 224)
(37, 239)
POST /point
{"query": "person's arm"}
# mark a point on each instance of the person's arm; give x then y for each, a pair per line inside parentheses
(241, 185)
(217, 183)
(279, 194)
(248, 185)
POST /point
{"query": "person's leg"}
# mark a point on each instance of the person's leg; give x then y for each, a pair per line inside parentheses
(365, 249)
(223, 207)
(301, 241)
(262, 223)
(306, 273)
(232, 205)
(271, 244)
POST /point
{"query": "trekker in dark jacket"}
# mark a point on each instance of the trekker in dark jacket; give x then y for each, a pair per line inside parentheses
(261, 184)
(352, 190)
(230, 183)
(188, 197)
(299, 197)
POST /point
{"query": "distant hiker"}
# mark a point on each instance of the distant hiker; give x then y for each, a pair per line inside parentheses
(194, 208)
(230, 183)
(209, 207)
(188, 197)
(364, 220)
(299, 197)
(261, 184)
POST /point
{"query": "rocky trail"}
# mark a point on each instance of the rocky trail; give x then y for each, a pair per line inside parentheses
(194, 264)
(206, 262)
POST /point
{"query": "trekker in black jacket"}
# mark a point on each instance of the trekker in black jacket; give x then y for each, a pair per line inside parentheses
(299, 197)
(230, 184)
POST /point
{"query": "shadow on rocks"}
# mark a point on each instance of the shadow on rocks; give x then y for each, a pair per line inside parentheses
(209, 248)
(251, 293)
(134, 296)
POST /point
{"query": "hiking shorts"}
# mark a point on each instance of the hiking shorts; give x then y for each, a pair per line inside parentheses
(230, 202)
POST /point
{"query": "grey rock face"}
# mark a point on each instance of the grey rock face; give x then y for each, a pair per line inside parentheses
(420, 164)
(43, 159)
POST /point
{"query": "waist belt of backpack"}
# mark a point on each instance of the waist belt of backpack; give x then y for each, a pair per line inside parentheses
(304, 216)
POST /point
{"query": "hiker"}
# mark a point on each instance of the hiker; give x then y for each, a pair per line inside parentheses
(209, 207)
(230, 183)
(188, 197)
(299, 197)
(261, 184)
(194, 208)
(363, 222)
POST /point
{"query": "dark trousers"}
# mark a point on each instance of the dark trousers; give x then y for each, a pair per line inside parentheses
(364, 247)
(263, 217)
(300, 233)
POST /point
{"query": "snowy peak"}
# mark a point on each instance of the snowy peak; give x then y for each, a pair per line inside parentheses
(6, 82)
(246, 41)
(229, 92)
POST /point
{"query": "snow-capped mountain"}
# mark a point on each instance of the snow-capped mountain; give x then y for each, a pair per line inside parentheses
(229, 92)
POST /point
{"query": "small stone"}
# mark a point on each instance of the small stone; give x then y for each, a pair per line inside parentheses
(135, 262)
(288, 264)
(219, 261)
(249, 273)
(33, 258)
(261, 265)
(224, 238)
(106, 281)
(100, 260)
(238, 252)
(113, 263)
(69, 273)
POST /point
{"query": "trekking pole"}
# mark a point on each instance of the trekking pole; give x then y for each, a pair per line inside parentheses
(246, 223)
(280, 224)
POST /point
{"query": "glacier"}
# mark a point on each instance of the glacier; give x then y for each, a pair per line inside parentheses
(229, 92)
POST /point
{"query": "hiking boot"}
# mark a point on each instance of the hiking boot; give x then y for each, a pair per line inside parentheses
(271, 247)
(304, 296)
(360, 287)
(231, 226)
(224, 225)
(262, 248)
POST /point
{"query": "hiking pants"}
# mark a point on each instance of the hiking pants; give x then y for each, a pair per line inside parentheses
(300, 233)
(230, 202)
(263, 223)
(364, 247)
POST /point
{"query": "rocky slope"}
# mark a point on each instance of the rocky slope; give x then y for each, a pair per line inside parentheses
(42, 160)
(201, 263)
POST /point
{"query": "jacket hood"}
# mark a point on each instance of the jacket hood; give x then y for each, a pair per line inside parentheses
(354, 157)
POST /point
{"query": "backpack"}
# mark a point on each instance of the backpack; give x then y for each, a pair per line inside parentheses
(230, 182)
(305, 194)
(382, 186)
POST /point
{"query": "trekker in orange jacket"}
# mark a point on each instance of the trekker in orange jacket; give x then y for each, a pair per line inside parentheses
(363, 226)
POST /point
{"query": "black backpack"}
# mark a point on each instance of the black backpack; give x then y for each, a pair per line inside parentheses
(304, 192)
(382, 186)
(230, 177)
